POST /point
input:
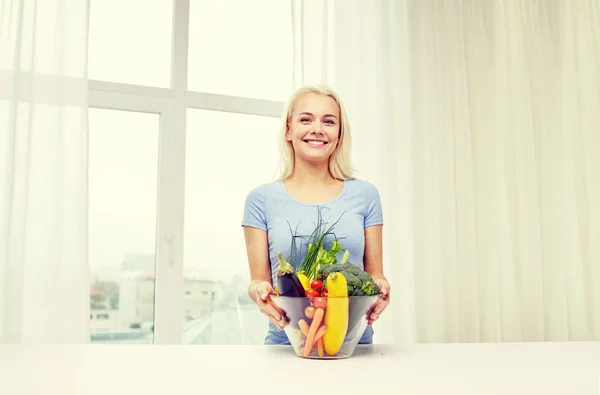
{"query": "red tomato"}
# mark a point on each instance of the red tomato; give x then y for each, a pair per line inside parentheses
(324, 293)
(319, 302)
(311, 293)
(317, 285)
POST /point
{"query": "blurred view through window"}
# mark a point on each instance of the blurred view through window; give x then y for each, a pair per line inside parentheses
(217, 307)
(123, 161)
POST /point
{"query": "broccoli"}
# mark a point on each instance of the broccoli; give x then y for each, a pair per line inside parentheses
(365, 277)
(325, 270)
(351, 268)
(354, 283)
(360, 283)
(368, 288)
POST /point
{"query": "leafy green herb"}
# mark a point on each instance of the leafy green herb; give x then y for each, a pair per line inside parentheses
(316, 255)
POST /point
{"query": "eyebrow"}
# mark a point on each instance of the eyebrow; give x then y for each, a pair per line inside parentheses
(311, 114)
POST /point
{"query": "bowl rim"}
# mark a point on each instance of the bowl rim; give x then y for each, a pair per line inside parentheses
(326, 297)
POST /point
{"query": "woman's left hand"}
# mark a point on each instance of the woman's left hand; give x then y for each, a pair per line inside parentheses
(383, 301)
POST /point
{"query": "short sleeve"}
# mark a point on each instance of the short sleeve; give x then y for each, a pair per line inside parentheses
(254, 210)
(373, 211)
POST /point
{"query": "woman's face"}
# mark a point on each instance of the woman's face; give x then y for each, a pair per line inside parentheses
(314, 127)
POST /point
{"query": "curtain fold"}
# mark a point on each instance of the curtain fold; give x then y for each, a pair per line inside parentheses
(44, 284)
(479, 122)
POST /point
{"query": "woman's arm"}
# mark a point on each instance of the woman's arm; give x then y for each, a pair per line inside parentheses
(373, 259)
(374, 266)
(258, 258)
(261, 286)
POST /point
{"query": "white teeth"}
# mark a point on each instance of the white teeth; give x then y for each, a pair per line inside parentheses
(315, 142)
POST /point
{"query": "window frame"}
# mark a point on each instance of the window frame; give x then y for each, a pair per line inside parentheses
(172, 104)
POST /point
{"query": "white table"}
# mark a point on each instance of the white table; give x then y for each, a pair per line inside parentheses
(461, 369)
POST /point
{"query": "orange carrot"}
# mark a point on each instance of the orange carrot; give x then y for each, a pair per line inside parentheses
(312, 331)
(318, 340)
(322, 330)
(303, 326)
(320, 347)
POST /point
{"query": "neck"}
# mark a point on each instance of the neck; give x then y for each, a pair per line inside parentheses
(309, 173)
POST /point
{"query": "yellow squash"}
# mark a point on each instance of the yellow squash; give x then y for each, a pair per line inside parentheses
(336, 314)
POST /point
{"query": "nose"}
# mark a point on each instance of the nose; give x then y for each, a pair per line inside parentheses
(318, 129)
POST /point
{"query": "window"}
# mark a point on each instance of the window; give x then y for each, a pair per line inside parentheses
(123, 161)
(126, 37)
(216, 184)
(163, 161)
(241, 48)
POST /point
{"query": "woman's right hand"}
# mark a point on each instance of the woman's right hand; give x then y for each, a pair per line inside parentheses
(263, 300)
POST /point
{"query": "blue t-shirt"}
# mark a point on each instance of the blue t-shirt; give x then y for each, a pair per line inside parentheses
(271, 208)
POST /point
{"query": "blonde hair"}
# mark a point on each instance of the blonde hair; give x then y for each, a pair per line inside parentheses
(340, 165)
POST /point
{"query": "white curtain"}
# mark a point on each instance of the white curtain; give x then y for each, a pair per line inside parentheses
(480, 124)
(44, 286)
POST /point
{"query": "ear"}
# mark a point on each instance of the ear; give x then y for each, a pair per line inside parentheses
(288, 135)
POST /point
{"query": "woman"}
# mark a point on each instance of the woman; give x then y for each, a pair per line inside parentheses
(316, 175)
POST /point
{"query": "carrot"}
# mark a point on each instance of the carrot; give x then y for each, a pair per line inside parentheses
(318, 336)
(304, 327)
(312, 331)
(322, 330)
(320, 347)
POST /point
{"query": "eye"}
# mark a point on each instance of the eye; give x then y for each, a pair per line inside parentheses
(304, 119)
(332, 122)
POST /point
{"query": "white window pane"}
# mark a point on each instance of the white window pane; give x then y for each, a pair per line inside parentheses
(130, 41)
(123, 160)
(216, 304)
(241, 48)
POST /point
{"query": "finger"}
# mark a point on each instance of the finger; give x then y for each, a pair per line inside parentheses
(370, 311)
(271, 311)
(378, 309)
(277, 314)
(270, 304)
(277, 323)
(263, 290)
(384, 286)
(384, 299)
(385, 289)
(374, 314)
(271, 317)
(373, 320)
(280, 324)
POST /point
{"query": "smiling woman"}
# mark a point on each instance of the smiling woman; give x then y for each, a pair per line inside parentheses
(316, 185)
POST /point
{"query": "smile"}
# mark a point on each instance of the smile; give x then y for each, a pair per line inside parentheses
(316, 143)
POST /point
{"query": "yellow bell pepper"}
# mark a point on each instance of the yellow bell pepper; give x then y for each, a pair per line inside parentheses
(304, 280)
